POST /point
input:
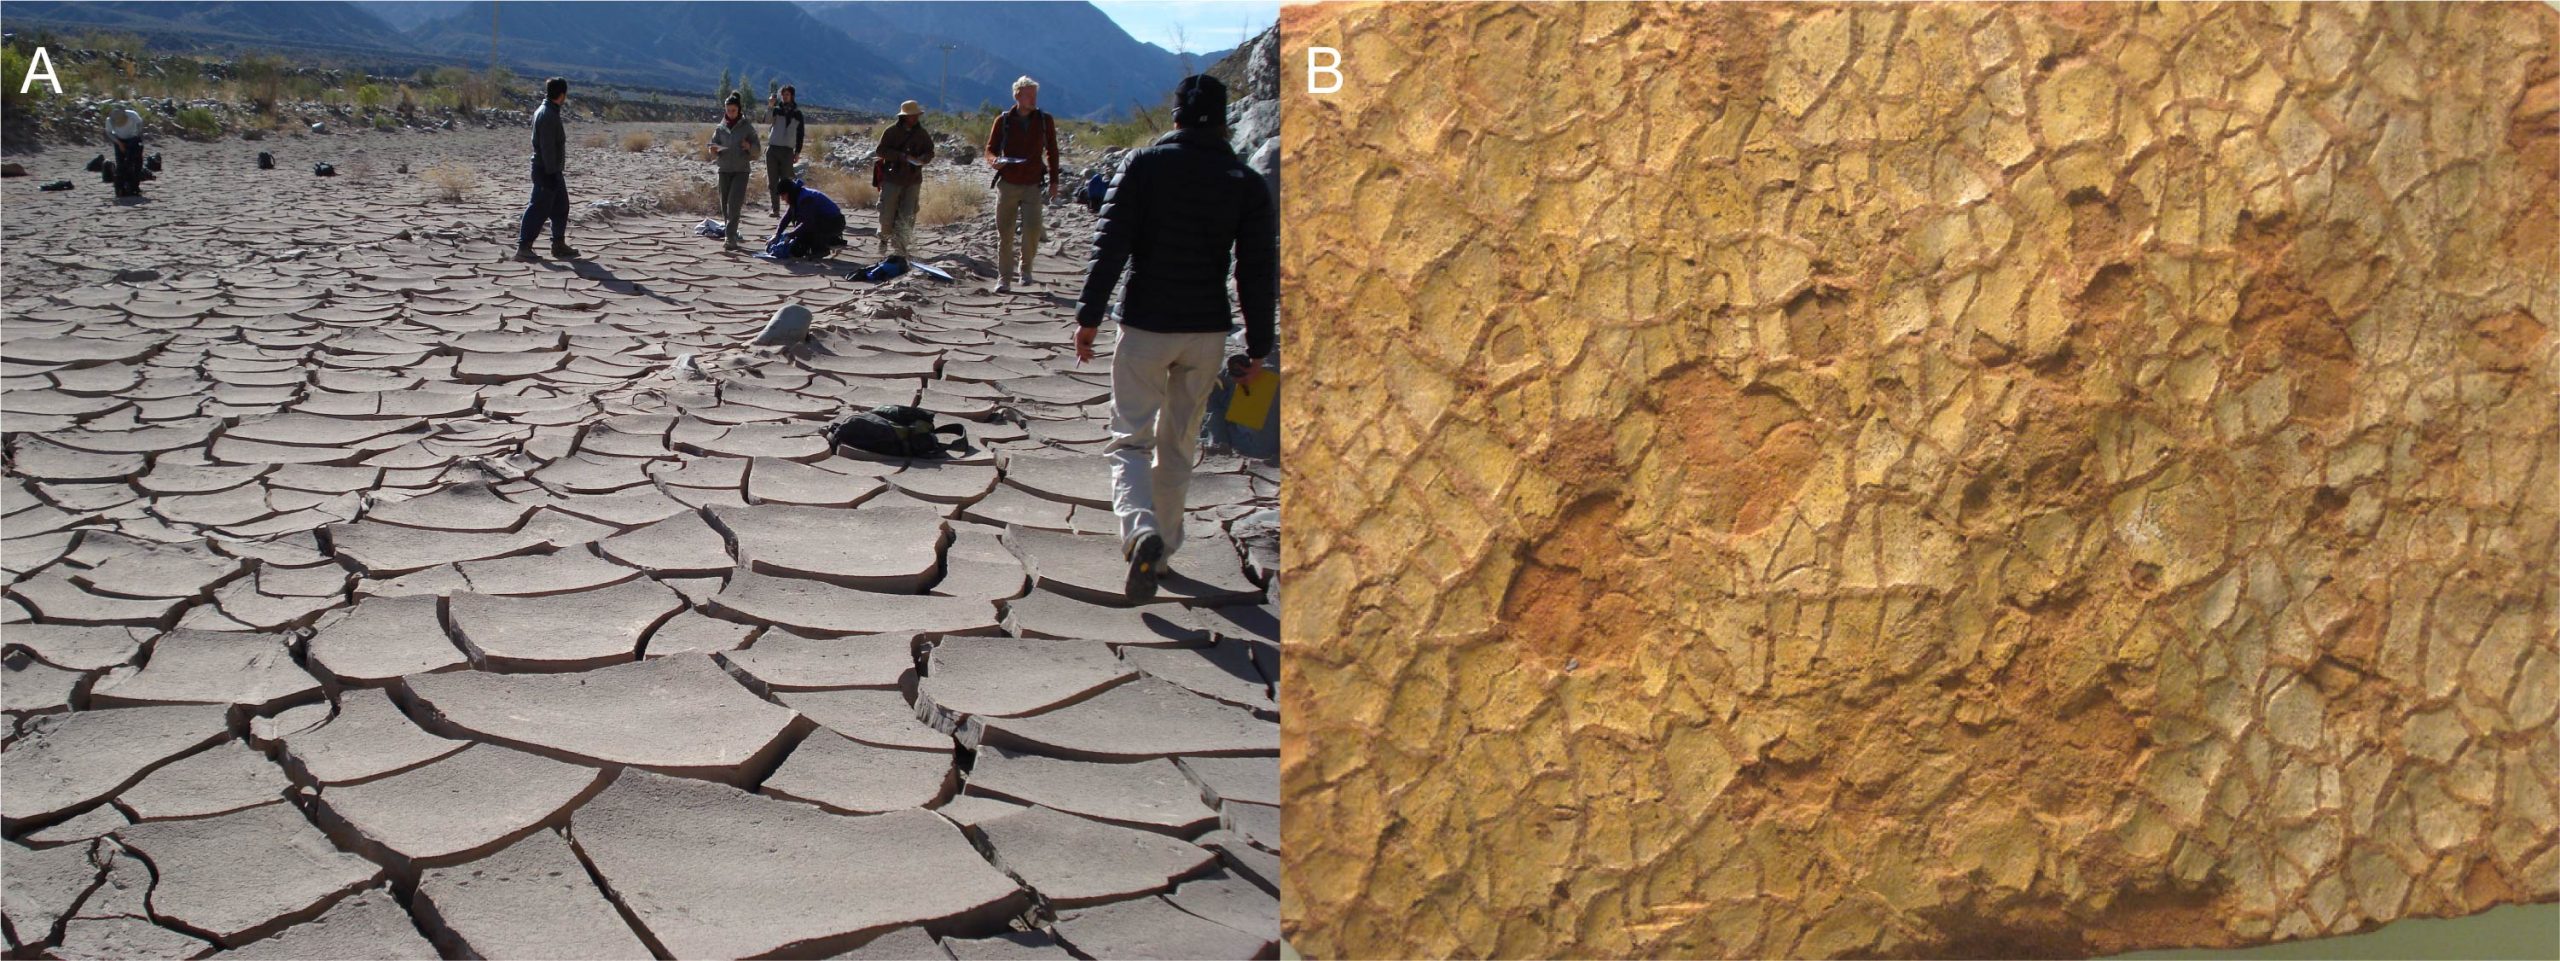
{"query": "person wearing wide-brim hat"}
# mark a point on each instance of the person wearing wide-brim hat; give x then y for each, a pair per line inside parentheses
(899, 164)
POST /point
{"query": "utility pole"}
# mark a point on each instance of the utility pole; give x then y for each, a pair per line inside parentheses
(946, 75)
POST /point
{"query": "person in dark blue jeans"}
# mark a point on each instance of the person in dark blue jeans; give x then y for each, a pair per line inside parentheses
(813, 226)
(550, 189)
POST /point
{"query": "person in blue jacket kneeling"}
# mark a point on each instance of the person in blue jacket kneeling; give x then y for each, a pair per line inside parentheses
(812, 225)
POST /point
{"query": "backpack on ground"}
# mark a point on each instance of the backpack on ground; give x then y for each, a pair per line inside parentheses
(266, 161)
(896, 430)
(884, 270)
(98, 163)
(151, 163)
(324, 170)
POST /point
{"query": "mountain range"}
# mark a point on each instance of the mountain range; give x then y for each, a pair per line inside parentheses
(863, 55)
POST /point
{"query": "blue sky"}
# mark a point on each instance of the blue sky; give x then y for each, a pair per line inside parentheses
(1206, 24)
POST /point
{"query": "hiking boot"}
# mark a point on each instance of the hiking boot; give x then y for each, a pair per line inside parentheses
(1002, 286)
(563, 251)
(1146, 562)
(525, 252)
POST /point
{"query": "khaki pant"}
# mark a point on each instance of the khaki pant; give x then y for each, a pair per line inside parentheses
(1026, 202)
(897, 214)
(1159, 388)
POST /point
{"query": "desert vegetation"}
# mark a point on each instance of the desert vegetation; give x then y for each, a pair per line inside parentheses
(688, 194)
(849, 188)
(949, 200)
(451, 180)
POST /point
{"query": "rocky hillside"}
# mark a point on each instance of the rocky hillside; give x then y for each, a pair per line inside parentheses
(862, 55)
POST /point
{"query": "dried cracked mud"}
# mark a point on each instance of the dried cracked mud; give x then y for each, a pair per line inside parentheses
(1920, 480)
(370, 594)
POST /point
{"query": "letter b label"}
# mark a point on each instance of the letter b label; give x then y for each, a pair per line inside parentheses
(1324, 70)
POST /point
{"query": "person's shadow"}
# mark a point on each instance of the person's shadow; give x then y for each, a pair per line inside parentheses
(613, 283)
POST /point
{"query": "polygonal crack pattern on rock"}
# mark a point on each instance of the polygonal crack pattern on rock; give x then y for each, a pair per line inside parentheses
(350, 564)
(1919, 480)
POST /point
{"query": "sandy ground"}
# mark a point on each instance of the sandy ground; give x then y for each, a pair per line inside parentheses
(371, 592)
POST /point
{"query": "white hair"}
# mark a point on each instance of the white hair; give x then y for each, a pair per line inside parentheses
(1025, 82)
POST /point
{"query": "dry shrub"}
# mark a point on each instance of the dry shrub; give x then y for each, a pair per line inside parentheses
(690, 195)
(638, 140)
(950, 200)
(451, 179)
(847, 188)
(599, 138)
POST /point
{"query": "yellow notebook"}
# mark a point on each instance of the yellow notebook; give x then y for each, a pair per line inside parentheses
(1251, 405)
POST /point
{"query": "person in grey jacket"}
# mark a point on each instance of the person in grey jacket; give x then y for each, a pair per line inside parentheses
(782, 144)
(550, 189)
(733, 147)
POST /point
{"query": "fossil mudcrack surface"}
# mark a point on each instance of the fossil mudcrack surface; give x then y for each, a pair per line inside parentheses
(370, 594)
(1919, 479)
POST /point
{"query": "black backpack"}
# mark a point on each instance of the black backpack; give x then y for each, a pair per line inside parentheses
(897, 431)
(324, 170)
(98, 164)
(266, 161)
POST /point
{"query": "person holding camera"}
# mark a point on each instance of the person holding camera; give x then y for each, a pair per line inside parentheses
(782, 142)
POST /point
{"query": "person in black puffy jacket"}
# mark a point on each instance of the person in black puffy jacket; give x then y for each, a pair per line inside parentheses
(1182, 215)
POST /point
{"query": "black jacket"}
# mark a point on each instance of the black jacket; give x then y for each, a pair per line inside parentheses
(1185, 210)
(550, 139)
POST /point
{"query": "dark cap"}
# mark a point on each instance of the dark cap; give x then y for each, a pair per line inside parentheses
(1201, 101)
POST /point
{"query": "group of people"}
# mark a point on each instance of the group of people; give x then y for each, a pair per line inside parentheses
(1182, 217)
(1021, 147)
